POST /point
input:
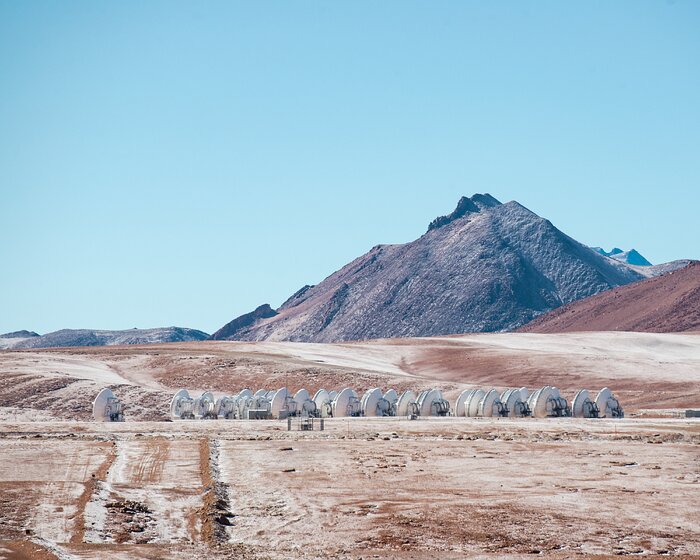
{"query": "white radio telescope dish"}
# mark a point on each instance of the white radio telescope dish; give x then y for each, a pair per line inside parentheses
(205, 406)
(106, 407)
(524, 394)
(431, 403)
(226, 407)
(323, 403)
(608, 405)
(370, 403)
(582, 406)
(471, 402)
(514, 403)
(490, 405)
(406, 405)
(278, 403)
(182, 406)
(346, 403)
(548, 402)
(305, 405)
(459, 409)
(391, 397)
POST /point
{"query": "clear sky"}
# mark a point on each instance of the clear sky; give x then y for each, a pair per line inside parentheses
(179, 163)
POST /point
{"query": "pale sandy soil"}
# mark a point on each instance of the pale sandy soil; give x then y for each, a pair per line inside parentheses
(382, 488)
(646, 371)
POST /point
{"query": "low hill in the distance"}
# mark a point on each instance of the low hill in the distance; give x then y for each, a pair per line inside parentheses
(668, 303)
(87, 337)
(485, 267)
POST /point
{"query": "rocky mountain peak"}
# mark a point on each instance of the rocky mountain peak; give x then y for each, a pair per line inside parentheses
(632, 256)
(466, 205)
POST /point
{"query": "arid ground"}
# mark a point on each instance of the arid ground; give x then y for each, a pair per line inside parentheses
(361, 488)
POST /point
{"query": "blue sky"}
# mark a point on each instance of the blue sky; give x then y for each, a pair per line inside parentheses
(179, 163)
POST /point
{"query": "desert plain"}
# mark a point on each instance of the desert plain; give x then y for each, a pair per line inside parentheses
(363, 487)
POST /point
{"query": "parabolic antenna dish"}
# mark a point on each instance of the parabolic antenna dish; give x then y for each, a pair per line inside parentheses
(370, 402)
(260, 393)
(303, 402)
(245, 393)
(539, 401)
(278, 402)
(100, 404)
(181, 403)
(608, 405)
(321, 396)
(323, 403)
(532, 397)
(471, 402)
(205, 405)
(392, 397)
(425, 402)
(225, 407)
(403, 406)
(106, 407)
(578, 405)
(510, 399)
(459, 404)
(488, 404)
(524, 394)
(344, 403)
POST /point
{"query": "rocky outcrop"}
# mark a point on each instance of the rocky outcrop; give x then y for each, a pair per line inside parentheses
(239, 325)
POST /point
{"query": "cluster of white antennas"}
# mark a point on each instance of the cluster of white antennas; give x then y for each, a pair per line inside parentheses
(106, 407)
(279, 404)
(542, 403)
(324, 404)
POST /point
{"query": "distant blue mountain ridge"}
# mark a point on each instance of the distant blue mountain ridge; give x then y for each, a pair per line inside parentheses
(630, 257)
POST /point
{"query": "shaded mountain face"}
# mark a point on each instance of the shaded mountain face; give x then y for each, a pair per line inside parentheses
(230, 330)
(632, 256)
(667, 303)
(85, 337)
(19, 334)
(485, 267)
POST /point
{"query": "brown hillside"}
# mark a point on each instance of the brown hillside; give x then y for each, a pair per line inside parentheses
(668, 303)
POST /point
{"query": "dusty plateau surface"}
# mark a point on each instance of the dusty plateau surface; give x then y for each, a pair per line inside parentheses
(361, 488)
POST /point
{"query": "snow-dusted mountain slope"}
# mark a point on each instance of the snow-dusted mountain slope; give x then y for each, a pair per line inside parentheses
(632, 256)
(485, 267)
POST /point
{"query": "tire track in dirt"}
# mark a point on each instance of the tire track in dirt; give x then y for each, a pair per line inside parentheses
(100, 476)
(150, 468)
(214, 514)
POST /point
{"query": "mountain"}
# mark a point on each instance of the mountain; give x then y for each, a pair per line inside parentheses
(632, 256)
(485, 267)
(85, 337)
(667, 303)
(229, 330)
(19, 334)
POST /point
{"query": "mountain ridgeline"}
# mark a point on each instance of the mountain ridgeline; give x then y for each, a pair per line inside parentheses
(88, 337)
(485, 267)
